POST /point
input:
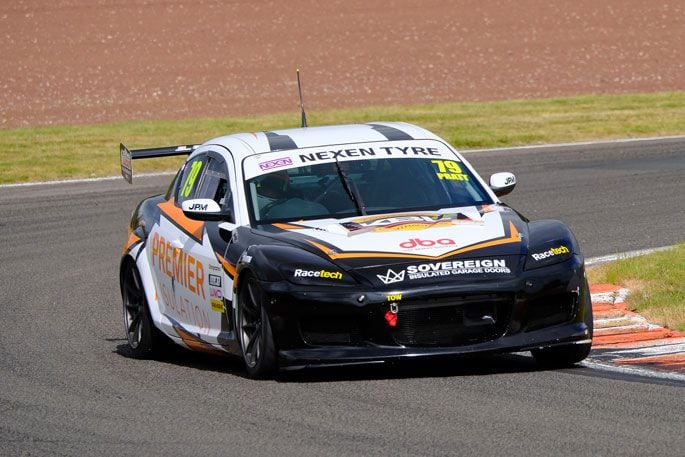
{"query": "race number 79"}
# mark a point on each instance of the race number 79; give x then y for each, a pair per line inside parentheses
(449, 169)
(192, 177)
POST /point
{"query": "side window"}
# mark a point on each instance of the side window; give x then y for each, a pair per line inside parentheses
(190, 179)
(206, 177)
(215, 184)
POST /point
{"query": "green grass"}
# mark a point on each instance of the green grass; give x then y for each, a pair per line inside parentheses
(656, 282)
(62, 152)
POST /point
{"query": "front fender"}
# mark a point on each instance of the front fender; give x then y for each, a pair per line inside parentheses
(548, 231)
(269, 262)
(550, 241)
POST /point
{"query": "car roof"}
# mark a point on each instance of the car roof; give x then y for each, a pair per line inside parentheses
(244, 144)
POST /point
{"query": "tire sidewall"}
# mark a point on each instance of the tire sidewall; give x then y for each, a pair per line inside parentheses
(266, 364)
(151, 339)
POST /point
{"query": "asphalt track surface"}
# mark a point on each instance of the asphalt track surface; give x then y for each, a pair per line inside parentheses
(67, 387)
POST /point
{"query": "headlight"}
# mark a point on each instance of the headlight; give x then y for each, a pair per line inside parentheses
(548, 254)
(311, 275)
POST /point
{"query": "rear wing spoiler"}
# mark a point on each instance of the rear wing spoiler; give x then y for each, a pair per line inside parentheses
(127, 156)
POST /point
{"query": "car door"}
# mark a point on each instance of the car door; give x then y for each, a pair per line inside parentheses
(186, 255)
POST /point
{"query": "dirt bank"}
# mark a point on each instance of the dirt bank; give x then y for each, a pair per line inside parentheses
(83, 61)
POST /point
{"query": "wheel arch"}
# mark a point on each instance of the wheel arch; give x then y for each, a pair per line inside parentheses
(139, 260)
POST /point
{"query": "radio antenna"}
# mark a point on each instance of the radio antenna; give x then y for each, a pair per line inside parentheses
(299, 89)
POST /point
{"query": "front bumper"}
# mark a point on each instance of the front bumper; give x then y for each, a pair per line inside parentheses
(349, 325)
(577, 333)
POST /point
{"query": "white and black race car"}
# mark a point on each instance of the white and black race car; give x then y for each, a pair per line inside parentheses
(346, 244)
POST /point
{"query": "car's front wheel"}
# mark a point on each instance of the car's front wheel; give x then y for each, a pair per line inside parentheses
(569, 354)
(144, 339)
(254, 330)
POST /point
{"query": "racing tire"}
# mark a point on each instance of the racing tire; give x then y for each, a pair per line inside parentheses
(144, 339)
(253, 329)
(569, 354)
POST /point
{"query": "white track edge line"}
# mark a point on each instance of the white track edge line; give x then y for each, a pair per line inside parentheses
(464, 152)
(579, 143)
(623, 255)
(632, 370)
(84, 180)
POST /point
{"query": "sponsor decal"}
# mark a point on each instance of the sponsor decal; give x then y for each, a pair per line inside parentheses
(181, 267)
(191, 312)
(391, 276)
(410, 222)
(217, 305)
(198, 207)
(418, 242)
(214, 280)
(560, 250)
(216, 293)
(457, 267)
(369, 151)
(275, 163)
(214, 267)
(449, 268)
(317, 274)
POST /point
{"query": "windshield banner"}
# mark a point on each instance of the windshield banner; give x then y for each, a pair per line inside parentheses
(260, 164)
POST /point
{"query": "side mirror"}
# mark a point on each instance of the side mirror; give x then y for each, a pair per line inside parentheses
(502, 183)
(202, 209)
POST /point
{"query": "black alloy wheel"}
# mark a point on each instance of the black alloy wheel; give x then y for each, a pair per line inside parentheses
(144, 339)
(254, 330)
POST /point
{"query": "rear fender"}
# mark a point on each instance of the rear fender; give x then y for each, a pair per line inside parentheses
(138, 256)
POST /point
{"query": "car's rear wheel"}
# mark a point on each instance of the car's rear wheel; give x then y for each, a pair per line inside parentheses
(569, 354)
(254, 330)
(144, 339)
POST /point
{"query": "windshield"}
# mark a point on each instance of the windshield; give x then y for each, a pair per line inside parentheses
(358, 187)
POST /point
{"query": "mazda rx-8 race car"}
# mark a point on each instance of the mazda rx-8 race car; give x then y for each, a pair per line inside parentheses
(346, 244)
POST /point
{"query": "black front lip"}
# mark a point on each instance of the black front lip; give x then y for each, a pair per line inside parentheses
(349, 355)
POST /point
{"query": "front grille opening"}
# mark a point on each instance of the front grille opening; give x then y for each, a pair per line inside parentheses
(454, 321)
(331, 330)
(551, 310)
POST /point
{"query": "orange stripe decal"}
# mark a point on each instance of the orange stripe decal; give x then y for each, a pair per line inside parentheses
(230, 269)
(328, 251)
(194, 342)
(130, 241)
(175, 214)
(288, 226)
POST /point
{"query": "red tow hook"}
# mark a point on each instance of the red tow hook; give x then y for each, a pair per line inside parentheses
(391, 315)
